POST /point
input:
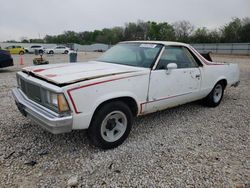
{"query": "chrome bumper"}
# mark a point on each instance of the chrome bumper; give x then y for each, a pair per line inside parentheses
(47, 119)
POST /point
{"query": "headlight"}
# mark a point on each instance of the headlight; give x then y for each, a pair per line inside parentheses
(56, 101)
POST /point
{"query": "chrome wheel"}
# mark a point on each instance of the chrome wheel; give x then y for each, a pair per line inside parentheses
(114, 126)
(218, 92)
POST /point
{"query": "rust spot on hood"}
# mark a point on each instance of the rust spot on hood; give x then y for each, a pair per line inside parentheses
(51, 75)
(39, 70)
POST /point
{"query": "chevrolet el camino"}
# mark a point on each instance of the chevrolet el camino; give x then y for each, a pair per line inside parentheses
(131, 79)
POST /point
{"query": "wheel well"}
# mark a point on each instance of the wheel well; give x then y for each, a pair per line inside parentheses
(127, 100)
(224, 83)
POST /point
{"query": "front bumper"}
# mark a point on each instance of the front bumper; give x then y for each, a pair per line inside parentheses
(46, 118)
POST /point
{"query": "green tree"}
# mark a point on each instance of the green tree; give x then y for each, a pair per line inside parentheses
(244, 33)
(231, 32)
(200, 35)
(166, 32)
(154, 31)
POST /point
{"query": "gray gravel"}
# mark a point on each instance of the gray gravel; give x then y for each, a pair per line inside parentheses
(187, 146)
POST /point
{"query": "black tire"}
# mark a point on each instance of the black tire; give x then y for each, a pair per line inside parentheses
(21, 52)
(51, 52)
(41, 51)
(66, 52)
(96, 134)
(214, 99)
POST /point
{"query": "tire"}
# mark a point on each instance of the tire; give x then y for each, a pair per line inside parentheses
(66, 52)
(51, 52)
(110, 125)
(215, 96)
(41, 51)
(21, 52)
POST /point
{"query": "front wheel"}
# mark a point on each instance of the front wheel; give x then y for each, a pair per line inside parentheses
(111, 125)
(215, 96)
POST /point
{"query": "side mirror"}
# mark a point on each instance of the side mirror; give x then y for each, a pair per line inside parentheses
(170, 67)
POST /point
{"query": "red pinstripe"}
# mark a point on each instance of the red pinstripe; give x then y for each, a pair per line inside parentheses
(164, 98)
(92, 84)
(203, 59)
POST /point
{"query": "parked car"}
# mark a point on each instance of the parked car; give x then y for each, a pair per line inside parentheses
(5, 59)
(15, 49)
(58, 50)
(33, 48)
(129, 80)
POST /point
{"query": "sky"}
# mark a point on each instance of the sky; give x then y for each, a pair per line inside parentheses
(37, 18)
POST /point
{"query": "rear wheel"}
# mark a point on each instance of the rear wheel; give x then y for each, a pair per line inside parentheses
(51, 52)
(66, 52)
(215, 96)
(21, 52)
(110, 125)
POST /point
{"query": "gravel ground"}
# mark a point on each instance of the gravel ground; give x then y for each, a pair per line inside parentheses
(187, 146)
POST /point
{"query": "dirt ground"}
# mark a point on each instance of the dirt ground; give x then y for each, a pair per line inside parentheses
(186, 146)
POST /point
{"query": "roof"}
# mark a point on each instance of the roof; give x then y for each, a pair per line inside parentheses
(166, 43)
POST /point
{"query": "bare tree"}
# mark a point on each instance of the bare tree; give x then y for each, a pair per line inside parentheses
(183, 29)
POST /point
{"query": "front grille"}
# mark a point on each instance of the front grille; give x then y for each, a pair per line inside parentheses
(32, 91)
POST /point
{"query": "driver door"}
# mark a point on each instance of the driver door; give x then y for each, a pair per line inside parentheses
(168, 88)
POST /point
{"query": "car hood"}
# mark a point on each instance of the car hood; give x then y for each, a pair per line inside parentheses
(68, 73)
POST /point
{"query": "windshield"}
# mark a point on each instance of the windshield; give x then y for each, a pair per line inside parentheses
(132, 54)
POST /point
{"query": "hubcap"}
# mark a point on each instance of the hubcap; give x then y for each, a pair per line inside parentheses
(217, 93)
(113, 126)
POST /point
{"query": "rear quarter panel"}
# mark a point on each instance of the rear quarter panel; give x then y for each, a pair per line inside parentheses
(211, 74)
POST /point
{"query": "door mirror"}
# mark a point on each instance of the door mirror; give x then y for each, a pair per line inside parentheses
(170, 67)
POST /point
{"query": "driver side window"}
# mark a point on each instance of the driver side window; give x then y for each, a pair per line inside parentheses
(179, 55)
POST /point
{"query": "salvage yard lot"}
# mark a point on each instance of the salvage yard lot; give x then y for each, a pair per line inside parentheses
(187, 146)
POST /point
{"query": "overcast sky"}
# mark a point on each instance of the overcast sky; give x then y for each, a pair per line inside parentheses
(34, 18)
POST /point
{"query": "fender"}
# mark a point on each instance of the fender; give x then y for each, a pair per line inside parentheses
(111, 96)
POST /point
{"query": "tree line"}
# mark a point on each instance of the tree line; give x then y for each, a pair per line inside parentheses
(237, 30)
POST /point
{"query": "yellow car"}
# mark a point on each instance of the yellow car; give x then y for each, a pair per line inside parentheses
(15, 50)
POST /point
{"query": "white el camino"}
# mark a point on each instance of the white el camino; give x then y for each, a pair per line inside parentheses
(131, 79)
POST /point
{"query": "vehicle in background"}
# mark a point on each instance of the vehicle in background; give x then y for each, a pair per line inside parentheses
(33, 48)
(15, 49)
(5, 59)
(58, 50)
